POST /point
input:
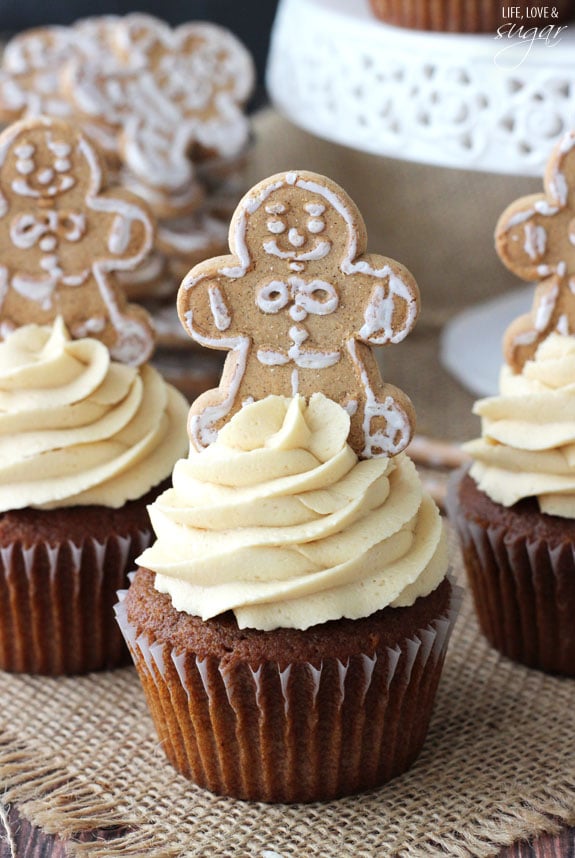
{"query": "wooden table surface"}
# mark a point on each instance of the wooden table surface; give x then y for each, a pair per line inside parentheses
(19, 839)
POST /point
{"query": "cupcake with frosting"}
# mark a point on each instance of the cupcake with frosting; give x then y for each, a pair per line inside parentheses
(89, 432)
(514, 507)
(515, 511)
(290, 621)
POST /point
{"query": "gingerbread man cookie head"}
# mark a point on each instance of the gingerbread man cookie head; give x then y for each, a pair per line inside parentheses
(535, 238)
(63, 235)
(299, 304)
(29, 74)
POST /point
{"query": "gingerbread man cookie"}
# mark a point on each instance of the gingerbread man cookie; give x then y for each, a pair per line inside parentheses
(535, 238)
(298, 305)
(63, 236)
(167, 91)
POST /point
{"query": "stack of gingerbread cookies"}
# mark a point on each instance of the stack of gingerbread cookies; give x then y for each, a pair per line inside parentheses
(164, 105)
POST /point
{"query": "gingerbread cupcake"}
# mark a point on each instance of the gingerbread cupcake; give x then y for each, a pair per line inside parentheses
(515, 508)
(89, 431)
(290, 622)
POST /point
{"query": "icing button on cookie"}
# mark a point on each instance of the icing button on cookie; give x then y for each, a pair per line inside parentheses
(299, 304)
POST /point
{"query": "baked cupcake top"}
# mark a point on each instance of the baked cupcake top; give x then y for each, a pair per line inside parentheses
(279, 521)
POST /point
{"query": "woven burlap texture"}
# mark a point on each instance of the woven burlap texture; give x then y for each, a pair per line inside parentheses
(498, 765)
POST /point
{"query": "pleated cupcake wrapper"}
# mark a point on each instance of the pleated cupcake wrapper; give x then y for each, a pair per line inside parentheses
(56, 604)
(293, 732)
(524, 594)
(472, 16)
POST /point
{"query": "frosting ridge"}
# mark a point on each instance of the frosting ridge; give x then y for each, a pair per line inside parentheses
(527, 446)
(280, 522)
(78, 428)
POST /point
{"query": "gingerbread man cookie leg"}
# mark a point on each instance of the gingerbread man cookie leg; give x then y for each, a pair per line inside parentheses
(535, 238)
(299, 304)
(64, 236)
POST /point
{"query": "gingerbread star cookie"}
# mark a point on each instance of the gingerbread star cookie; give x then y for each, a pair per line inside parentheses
(299, 304)
(64, 236)
(535, 238)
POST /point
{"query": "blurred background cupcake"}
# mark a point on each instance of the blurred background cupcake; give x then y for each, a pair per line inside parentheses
(90, 431)
(515, 507)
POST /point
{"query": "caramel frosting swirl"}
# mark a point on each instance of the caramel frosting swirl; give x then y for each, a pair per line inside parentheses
(527, 446)
(280, 522)
(78, 428)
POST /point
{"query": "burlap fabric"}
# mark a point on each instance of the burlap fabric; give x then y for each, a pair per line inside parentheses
(499, 762)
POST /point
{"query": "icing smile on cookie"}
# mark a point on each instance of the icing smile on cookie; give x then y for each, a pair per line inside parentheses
(318, 251)
(297, 236)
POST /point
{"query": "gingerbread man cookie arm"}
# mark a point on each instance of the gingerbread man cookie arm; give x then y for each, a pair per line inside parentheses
(209, 320)
(202, 305)
(525, 333)
(522, 237)
(393, 308)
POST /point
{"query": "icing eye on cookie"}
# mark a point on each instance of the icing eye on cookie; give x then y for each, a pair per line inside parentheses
(275, 226)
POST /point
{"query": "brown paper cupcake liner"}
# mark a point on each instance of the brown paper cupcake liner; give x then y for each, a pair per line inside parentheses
(521, 596)
(467, 16)
(523, 589)
(56, 604)
(292, 732)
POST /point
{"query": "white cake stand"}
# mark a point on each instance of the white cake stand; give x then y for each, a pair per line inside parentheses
(465, 101)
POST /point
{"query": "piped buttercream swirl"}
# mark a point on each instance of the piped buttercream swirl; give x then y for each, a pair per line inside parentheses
(77, 427)
(527, 446)
(280, 522)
